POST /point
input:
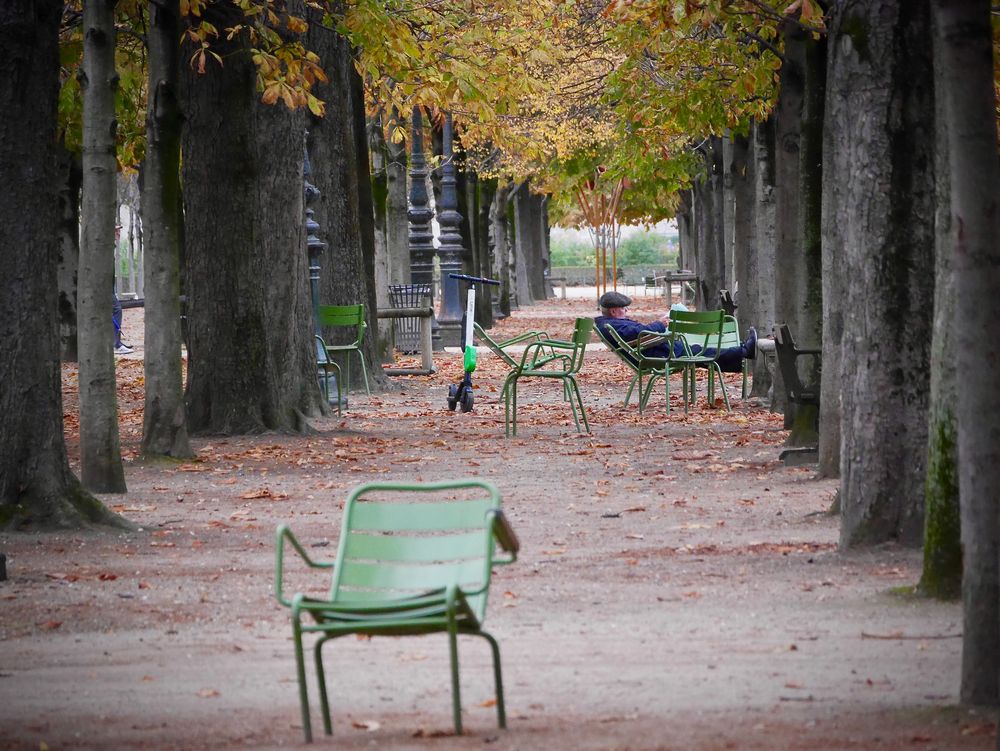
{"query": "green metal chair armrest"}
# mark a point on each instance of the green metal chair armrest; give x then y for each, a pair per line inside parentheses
(534, 355)
(284, 533)
(505, 536)
(522, 337)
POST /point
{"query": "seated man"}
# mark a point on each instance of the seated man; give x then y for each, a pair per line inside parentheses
(614, 314)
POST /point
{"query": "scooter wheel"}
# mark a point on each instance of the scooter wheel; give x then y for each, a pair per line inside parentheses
(452, 397)
(467, 401)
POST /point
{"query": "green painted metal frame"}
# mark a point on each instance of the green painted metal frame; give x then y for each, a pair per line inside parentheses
(704, 329)
(633, 355)
(731, 338)
(563, 361)
(403, 568)
(348, 316)
(326, 365)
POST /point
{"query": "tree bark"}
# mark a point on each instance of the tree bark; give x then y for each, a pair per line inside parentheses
(881, 169)
(760, 267)
(519, 245)
(164, 427)
(251, 362)
(379, 186)
(100, 451)
(396, 225)
(37, 488)
(339, 161)
(686, 230)
(708, 227)
(942, 570)
(502, 255)
(485, 194)
(740, 171)
(963, 44)
(70, 180)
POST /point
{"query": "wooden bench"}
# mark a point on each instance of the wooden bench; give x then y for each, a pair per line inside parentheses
(803, 397)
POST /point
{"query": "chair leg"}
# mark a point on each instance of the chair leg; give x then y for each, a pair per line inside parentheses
(642, 402)
(364, 371)
(497, 679)
(347, 369)
(324, 704)
(583, 412)
(631, 385)
(722, 386)
(572, 405)
(300, 666)
(456, 696)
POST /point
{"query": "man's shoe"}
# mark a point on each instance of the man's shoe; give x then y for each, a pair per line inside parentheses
(750, 345)
(123, 349)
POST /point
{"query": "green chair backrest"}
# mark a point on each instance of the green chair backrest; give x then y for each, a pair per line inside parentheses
(400, 539)
(343, 315)
(493, 345)
(698, 327)
(616, 344)
(730, 333)
(581, 336)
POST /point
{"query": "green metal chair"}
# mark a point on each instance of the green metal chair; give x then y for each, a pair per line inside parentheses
(500, 348)
(563, 360)
(642, 364)
(731, 338)
(349, 316)
(412, 559)
(702, 329)
(327, 367)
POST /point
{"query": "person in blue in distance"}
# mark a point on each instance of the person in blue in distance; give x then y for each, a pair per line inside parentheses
(614, 314)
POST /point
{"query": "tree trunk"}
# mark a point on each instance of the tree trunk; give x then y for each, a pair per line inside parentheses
(251, 362)
(708, 220)
(344, 208)
(70, 179)
(810, 265)
(164, 427)
(396, 206)
(942, 571)
(379, 186)
(100, 451)
(530, 244)
(760, 267)
(881, 167)
(366, 218)
(519, 244)
(37, 489)
(685, 229)
(502, 255)
(486, 192)
(963, 43)
(740, 171)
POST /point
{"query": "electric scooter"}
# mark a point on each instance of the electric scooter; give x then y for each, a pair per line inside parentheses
(460, 394)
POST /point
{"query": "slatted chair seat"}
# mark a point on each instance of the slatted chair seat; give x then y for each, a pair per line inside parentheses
(412, 559)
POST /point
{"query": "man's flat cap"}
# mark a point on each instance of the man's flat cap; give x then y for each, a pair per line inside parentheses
(614, 300)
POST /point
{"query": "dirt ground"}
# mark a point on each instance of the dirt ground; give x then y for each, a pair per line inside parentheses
(678, 588)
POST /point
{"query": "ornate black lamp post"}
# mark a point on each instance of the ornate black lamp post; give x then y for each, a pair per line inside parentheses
(420, 236)
(451, 249)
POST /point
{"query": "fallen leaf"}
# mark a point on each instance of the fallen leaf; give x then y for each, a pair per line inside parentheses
(207, 693)
(366, 724)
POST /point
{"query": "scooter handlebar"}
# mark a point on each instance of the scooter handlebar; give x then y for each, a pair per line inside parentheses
(475, 279)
